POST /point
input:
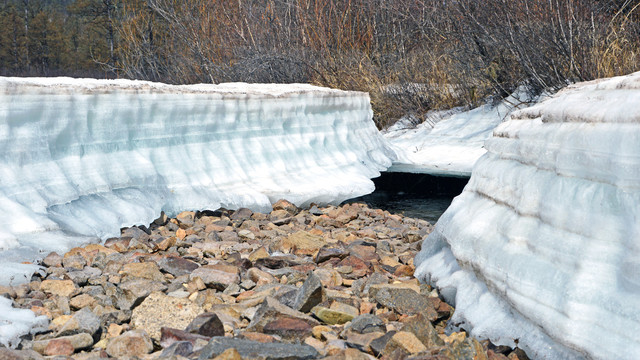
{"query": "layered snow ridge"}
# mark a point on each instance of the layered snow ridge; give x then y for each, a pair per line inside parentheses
(81, 158)
(543, 245)
(450, 142)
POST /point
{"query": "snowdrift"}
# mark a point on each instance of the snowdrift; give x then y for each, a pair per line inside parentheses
(81, 158)
(451, 142)
(543, 245)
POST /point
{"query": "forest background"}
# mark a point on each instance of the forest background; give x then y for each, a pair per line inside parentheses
(412, 56)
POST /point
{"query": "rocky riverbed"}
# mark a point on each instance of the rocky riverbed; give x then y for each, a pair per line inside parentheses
(332, 282)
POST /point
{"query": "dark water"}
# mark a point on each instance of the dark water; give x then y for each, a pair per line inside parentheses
(414, 195)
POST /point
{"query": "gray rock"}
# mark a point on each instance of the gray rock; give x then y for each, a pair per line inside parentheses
(367, 323)
(83, 321)
(215, 278)
(177, 266)
(207, 324)
(421, 327)
(241, 214)
(135, 291)
(403, 301)
(310, 294)
(378, 345)
(272, 310)
(256, 350)
(179, 348)
(77, 341)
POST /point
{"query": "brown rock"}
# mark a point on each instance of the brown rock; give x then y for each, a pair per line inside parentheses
(303, 243)
(288, 329)
(81, 301)
(59, 347)
(260, 277)
(58, 287)
(144, 270)
(229, 354)
(358, 267)
(258, 254)
(132, 343)
(271, 310)
(285, 205)
(256, 336)
(77, 341)
(53, 259)
(169, 336)
(405, 341)
(421, 327)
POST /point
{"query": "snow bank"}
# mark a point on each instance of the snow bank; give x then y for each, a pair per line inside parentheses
(450, 142)
(547, 233)
(81, 158)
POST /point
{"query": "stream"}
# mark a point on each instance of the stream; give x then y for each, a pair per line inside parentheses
(415, 195)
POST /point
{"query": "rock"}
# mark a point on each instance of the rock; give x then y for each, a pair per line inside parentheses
(406, 341)
(361, 342)
(77, 342)
(256, 336)
(83, 321)
(52, 260)
(10, 354)
(350, 354)
(159, 310)
(468, 349)
(215, 278)
(169, 336)
(272, 310)
(358, 267)
(367, 323)
(241, 215)
(288, 329)
(144, 270)
(229, 354)
(338, 315)
(186, 219)
(135, 291)
(309, 295)
(303, 243)
(58, 287)
(260, 277)
(285, 205)
(257, 350)
(59, 347)
(81, 301)
(76, 261)
(132, 343)
(328, 277)
(207, 324)
(259, 253)
(421, 327)
(178, 348)
(379, 344)
(329, 252)
(403, 300)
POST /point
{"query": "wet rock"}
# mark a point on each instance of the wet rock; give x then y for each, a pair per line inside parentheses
(159, 310)
(132, 343)
(257, 350)
(207, 324)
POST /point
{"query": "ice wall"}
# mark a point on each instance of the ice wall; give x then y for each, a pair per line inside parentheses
(81, 158)
(543, 245)
(451, 141)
